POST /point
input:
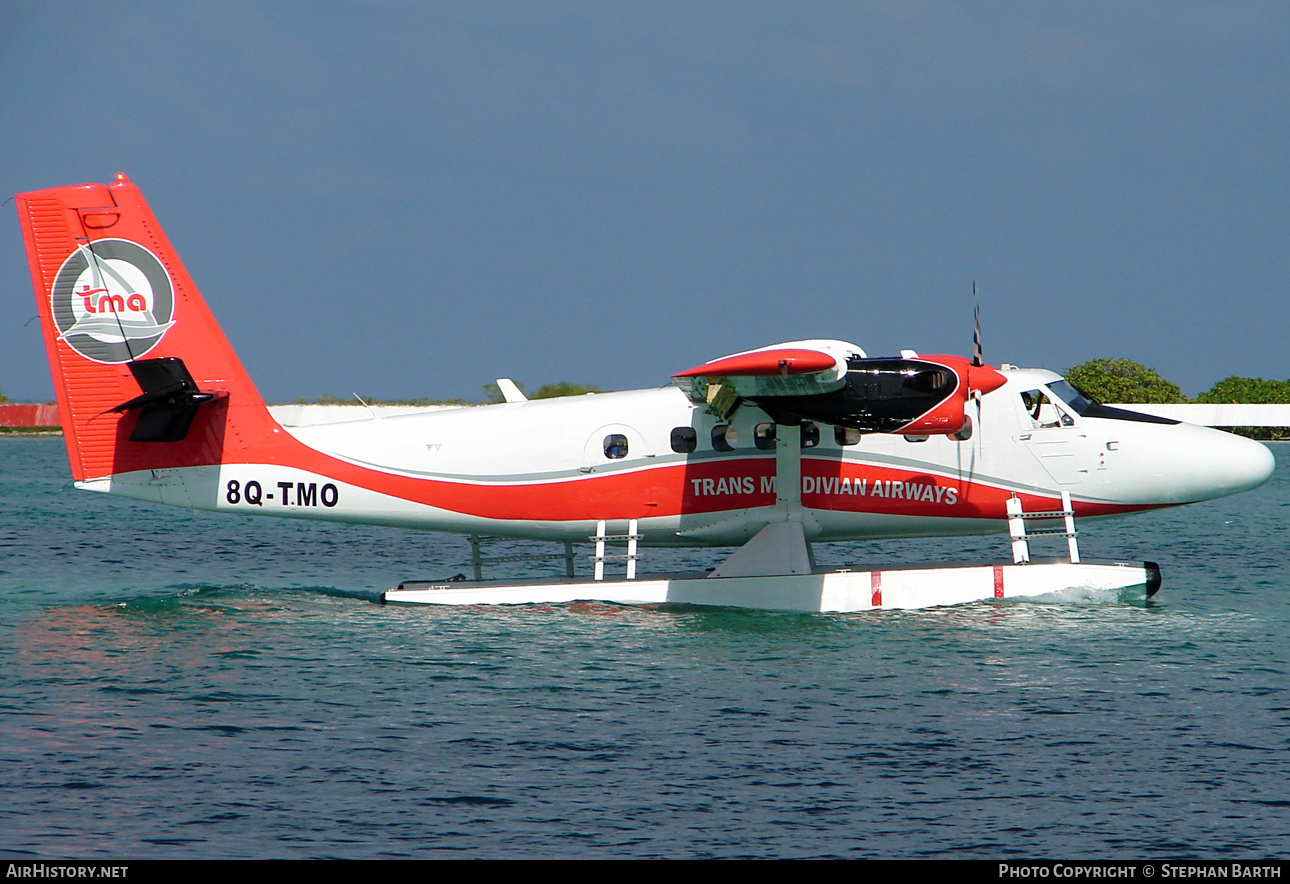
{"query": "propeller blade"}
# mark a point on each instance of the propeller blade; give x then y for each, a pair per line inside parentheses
(976, 328)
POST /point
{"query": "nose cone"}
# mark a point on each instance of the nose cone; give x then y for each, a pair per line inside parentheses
(1245, 465)
(1203, 464)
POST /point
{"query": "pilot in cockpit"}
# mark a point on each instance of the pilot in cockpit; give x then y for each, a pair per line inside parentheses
(1042, 411)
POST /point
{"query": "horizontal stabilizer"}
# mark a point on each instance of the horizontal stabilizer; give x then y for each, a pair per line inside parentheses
(169, 401)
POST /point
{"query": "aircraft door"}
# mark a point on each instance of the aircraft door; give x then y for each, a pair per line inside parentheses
(620, 450)
(1055, 439)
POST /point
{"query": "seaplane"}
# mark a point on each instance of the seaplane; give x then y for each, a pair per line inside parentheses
(767, 451)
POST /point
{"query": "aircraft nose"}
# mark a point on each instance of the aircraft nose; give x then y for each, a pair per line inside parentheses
(1185, 463)
(1251, 464)
(1231, 464)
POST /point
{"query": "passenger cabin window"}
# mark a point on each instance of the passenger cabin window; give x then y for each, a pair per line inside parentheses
(725, 437)
(684, 440)
(764, 435)
(846, 435)
(615, 446)
(810, 434)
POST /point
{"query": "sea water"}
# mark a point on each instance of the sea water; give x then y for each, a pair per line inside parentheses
(180, 684)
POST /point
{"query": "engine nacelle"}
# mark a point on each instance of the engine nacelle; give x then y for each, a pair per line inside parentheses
(924, 395)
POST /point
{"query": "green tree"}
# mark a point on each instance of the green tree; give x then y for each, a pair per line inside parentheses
(564, 388)
(1122, 380)
(1247, 390)
(1250, 391)
(492, 394)
(359, 401)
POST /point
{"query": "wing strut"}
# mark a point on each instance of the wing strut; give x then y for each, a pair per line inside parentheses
(780, 548)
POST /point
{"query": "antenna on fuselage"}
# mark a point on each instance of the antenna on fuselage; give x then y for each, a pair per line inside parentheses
(375, 416)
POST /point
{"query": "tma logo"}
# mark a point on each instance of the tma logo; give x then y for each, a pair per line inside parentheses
(112, 301)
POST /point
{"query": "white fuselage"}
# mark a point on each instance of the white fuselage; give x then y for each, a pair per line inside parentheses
(551, 469)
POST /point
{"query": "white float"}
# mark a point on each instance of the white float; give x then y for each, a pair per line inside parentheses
(773, 571)
(831, 591)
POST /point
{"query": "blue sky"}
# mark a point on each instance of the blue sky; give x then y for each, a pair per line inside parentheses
(411, 199)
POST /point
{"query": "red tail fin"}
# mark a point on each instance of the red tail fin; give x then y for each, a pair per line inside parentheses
(144, 376)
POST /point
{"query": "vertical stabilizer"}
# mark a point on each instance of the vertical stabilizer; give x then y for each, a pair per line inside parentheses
(145, 379)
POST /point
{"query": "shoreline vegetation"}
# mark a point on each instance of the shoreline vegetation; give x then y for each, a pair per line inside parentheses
(1123, 380)
(492, 396)
(29, 432)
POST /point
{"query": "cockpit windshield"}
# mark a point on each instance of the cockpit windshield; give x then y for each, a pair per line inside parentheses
(1079, 403)
(1065, 391)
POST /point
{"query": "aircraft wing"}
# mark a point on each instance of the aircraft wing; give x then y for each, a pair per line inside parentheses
(834, 382)
(798, 368)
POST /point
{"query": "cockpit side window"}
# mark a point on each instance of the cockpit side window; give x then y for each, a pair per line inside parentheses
(1033, 401)
(1043, 410)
